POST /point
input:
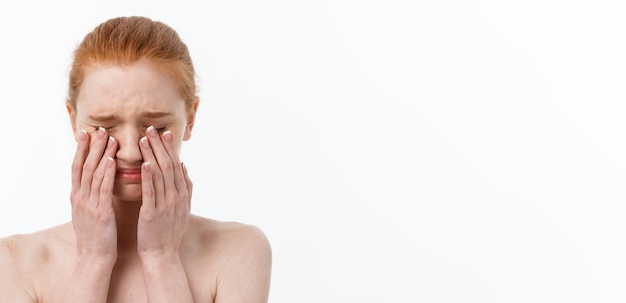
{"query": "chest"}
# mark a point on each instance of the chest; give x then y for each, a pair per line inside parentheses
(127, 283)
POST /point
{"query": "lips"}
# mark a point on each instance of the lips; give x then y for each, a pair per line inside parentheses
(129, 174)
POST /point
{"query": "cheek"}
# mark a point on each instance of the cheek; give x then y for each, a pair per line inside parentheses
(177, 144)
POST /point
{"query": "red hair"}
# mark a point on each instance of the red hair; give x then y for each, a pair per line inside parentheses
(126, 40)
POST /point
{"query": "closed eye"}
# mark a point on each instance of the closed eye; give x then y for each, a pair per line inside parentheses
(158, 129)
(107, 128)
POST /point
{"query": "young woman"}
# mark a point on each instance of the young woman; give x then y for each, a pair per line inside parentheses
(132, 101)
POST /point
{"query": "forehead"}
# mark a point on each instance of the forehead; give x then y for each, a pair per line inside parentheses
(140, 86)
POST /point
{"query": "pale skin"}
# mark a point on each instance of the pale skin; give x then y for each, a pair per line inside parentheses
(132, 237)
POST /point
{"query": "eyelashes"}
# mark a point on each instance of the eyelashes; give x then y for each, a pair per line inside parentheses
(108, 128)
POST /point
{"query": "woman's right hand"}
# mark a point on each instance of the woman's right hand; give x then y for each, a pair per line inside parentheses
(93, 175)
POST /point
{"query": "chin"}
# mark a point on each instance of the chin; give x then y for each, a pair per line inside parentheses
(128, 192)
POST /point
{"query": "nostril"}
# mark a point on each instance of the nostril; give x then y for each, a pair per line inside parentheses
(128, 149)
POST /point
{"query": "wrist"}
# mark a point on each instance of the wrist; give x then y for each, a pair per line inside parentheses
(89, 268)
(156, 261)
(96, 260)
(165, 277)
(156, 257)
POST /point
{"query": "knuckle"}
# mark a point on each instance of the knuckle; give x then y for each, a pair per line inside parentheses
(77, 206)
(106, 190)
(103, 215)
(166, 166)
(77, 197)
(149, 193)
(182, 196)
(73, 199)
(76, 167)
(98, 174)
(89, 166)
(147, 215)
(156, 171)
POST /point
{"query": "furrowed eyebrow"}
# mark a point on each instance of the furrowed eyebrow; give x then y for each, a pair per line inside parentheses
(104, 118)
(155, 115)
(109, 118)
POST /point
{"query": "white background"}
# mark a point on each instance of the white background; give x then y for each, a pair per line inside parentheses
(392, 151)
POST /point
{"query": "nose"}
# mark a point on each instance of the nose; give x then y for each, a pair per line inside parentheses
(128, 151)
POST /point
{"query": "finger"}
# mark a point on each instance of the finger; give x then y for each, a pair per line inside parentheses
(188, 184)
(168, 143)
(147, 189)
(163, 159)
(106, 189)
(155, 171)
(94, 157)
(82, 149)
(100, 172)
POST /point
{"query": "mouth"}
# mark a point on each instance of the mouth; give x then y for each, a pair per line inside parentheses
(132, 175)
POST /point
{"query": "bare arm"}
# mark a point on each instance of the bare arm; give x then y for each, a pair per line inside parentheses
(93, 219)
(166, 280)
(89, 282)
(163, 217)
(14, 286)
(246, 271)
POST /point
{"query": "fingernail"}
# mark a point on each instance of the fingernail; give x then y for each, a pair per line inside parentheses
(109, 161)
(82, 135)
(150, 130)
(147, 165)
(144, 142)
(111, 142)
(167, 135)
(101, 132)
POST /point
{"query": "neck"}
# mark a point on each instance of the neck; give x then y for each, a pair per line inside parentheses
(126, 216)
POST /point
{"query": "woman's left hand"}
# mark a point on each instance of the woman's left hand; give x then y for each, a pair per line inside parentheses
(166, 197)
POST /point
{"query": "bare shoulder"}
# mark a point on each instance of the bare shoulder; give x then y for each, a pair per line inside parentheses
(23, 259)
(231, 239)
(15, 284)
(243, 258)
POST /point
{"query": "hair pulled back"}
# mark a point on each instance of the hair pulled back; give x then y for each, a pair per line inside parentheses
(126, 40)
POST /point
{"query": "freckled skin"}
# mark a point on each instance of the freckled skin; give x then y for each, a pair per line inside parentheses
(127, 92)
(139, 242)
